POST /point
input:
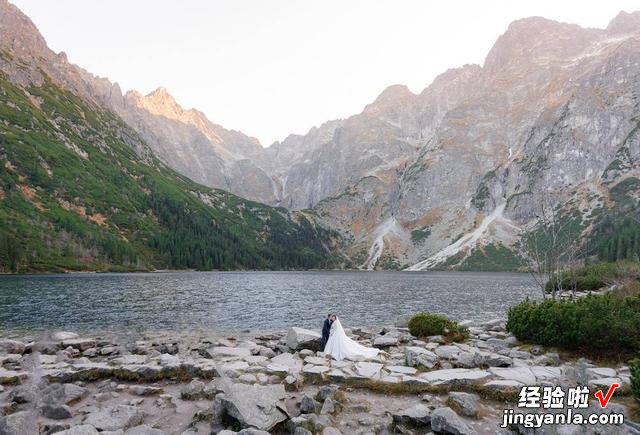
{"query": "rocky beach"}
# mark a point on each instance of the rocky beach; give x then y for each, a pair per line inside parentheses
(201, 382)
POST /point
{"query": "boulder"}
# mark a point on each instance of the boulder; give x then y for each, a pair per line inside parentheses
(420, 357)
(368, 369)
(402, 369)
(445, 420)
(385, 341)
(83, 429)
(115, 418)
(466, 404)
(79, 343)
(308, 405)
(329, 406)
(18, 423)
(327, 391)
(56, 412)
(299, 338)
(12, 346)
(418, 415)
(257, 406)
(523, 375)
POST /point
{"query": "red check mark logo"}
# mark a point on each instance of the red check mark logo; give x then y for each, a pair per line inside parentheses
(605, 399)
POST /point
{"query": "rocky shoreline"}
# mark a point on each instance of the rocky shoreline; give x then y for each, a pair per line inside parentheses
(203, 382)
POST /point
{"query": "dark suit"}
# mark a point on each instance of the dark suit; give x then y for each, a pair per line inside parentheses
(326, 329)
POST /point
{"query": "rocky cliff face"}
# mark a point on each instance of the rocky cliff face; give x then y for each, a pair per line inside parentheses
(553, 111)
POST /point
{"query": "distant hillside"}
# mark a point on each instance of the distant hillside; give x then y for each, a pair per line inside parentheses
(80, 190)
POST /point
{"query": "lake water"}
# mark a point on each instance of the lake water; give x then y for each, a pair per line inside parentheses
(250, 300)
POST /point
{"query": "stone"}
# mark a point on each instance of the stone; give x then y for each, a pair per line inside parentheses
(12, 346)
(328, 407)
(314, 370)
(504, 386)
(289, 361)
(308, 405)
(466, 404)
(447, 352)
(402, 369)
(145, 390)
(385, 341)
(316, 360)
(603, 383)
(326, 391)
(600, 372)
(11, 377)
(255, 406)
(64, 335)
(496, 360)
(115, 417)
(455, 376)
(247, 378)
(56, 412)
(447, 421)
(299, 338)
(523, 375)
(420, 357)
(418, 415)
(330, 431)
(144, 430)
(195, 390)
(79, 343)
(223, 351)
(368, 369)
(83, 429)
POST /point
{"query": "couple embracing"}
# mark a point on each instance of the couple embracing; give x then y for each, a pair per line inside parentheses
(336, 343)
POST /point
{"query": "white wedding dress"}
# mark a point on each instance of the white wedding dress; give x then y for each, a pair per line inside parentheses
(340, 347)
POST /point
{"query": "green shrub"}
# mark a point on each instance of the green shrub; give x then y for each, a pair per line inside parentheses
(427, 324)
(596, 323)
(635, 378)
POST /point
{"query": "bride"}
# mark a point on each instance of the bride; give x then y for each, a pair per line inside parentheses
(339, 346)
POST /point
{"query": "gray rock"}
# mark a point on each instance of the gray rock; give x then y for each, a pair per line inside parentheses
(144, 430)
(418, 415)
(115, 417)
(145, 390)
(223, 351)
(455, 376)
(385, 341)
(331, 431)
(299, 338)
(420, 357)
(56, 412)
(12, 346)
(466, 404)
(326, 391)
(308, 405)
(302, 431)
(328, 407)
(83, 429)
(195, 390)
(257, 406)
(19, 423)
(445, 420)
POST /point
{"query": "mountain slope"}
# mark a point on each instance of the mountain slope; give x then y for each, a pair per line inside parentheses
(81, 190)
(552, 113)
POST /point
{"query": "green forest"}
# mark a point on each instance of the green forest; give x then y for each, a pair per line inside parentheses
(79, 190)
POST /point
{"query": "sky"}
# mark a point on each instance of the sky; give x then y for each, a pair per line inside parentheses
(272, 68)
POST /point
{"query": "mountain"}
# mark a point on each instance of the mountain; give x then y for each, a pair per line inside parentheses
(81, 189)
(553, 113)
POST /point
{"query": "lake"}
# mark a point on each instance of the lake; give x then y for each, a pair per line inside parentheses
(250, 300)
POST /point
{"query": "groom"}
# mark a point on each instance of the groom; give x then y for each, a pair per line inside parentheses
(326, 329)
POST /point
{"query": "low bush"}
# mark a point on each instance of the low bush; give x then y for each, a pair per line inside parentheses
(598, 275)
(635, 378)
(428, 324)
(606, 324)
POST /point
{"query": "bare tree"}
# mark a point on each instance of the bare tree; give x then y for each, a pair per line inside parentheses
(550, 247)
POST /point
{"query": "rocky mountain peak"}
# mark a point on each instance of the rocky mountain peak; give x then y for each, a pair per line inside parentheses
(390, 99)
(624, 23)
(18, 34)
